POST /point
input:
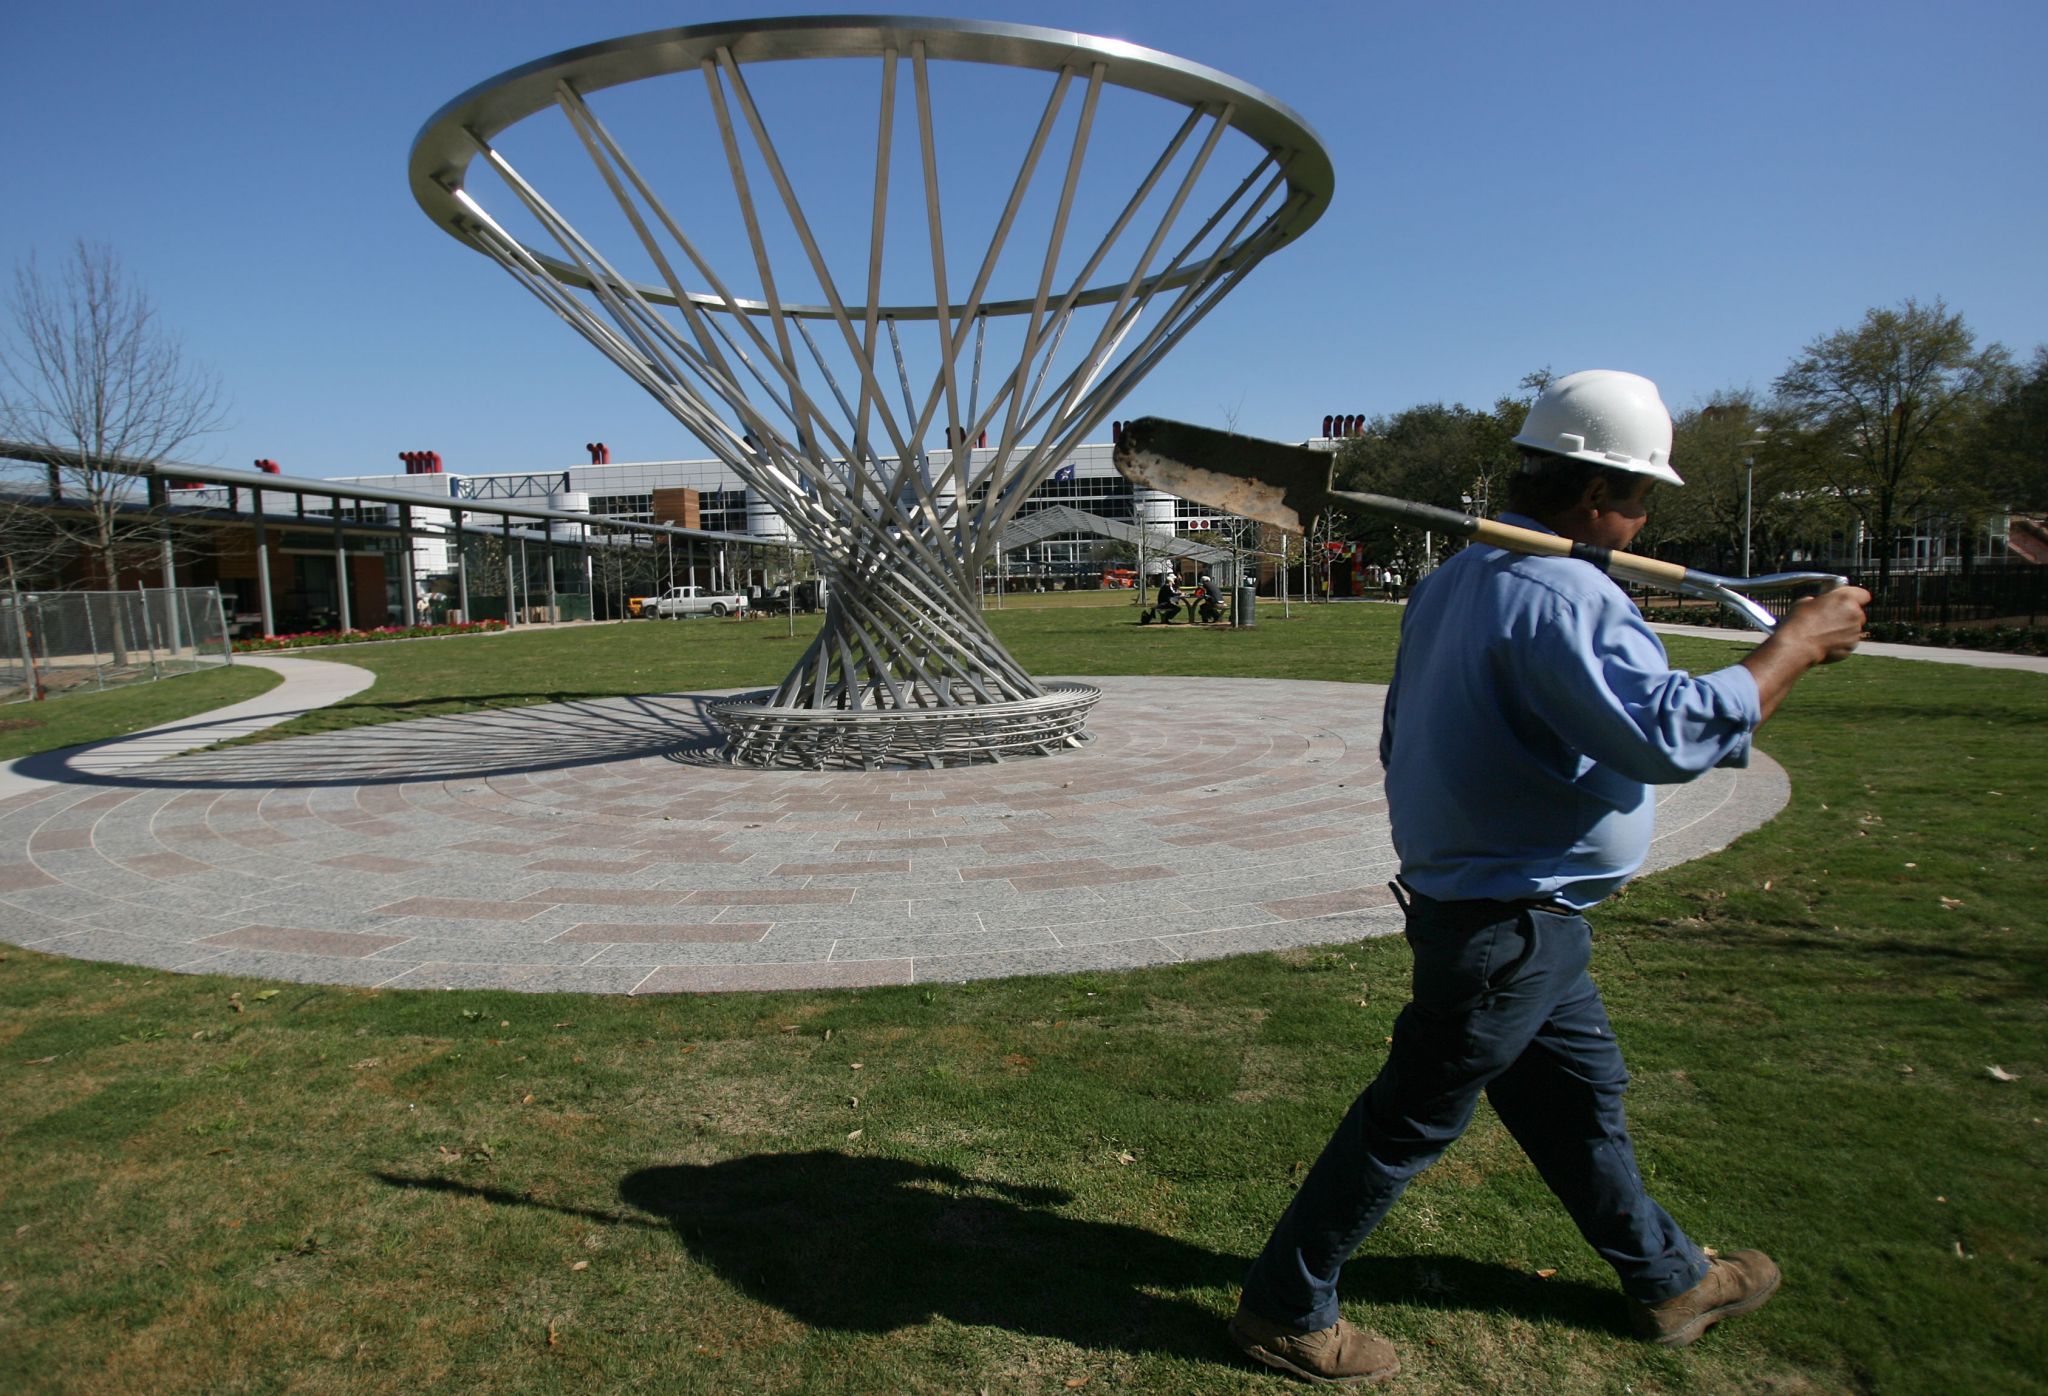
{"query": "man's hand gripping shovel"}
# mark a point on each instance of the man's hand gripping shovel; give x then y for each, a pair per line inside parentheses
(1288, 486)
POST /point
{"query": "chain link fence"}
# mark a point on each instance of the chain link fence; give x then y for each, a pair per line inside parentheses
(58, 642)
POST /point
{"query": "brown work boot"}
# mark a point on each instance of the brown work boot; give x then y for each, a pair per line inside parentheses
(1340, 1354)
(1734, 1284)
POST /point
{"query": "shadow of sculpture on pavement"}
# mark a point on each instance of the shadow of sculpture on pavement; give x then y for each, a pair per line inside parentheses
(489, 742)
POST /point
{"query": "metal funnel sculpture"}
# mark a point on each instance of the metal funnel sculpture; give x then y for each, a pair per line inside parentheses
(880, 373)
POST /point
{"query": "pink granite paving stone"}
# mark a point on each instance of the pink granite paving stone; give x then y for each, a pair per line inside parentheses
(602, 847)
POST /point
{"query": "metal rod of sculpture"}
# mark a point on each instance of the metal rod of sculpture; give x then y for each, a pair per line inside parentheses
(904, 667)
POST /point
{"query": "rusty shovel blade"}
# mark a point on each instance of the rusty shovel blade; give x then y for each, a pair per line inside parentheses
(1285, 486)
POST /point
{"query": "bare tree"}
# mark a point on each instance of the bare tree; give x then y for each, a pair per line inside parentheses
(93, 383)
(29, 542)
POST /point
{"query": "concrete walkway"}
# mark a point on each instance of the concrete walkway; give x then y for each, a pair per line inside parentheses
(600, 846)
(306, 684)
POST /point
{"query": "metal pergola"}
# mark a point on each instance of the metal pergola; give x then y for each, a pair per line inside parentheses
(263, 521)
(1056, 519)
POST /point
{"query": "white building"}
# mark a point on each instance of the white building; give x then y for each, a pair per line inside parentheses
(640, 491)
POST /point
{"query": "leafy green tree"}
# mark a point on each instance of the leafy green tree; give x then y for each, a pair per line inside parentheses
(1720, 448)
(1884, 412)
(1702, 521)
(1453, 456)
(2012, 440)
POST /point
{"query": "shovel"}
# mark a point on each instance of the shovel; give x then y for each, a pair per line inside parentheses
(1288, 486)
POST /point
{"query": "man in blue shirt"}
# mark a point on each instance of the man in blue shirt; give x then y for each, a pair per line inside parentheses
(1531, 711)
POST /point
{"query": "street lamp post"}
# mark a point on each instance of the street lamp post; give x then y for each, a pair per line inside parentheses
(1749, 492)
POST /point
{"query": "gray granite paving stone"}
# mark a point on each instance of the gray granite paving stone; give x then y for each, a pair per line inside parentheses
(22, 875)
(293, 941)
(555, 894)
(768, 896)
(915, 883)
(533, 979)
(1259, 887)
(701, 979)
(435, 949)
(26, 928)
(62, 901)
(946, 969)
(1284, 935)
(131, 950)
(290, 909)
(461, 908)
(514, 850)
(482, 933)
(765, 952)
(856, 927)
(665, 933)
(912, 946)
(1150, 927)
(299, 969)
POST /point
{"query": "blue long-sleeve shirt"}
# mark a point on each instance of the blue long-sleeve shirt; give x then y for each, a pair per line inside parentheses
(1531, 710)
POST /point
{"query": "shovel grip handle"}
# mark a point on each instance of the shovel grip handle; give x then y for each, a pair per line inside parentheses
(1629, 567)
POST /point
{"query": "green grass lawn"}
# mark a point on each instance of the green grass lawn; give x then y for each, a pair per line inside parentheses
(1055, 633)
(1045, 1185)
(77, 718)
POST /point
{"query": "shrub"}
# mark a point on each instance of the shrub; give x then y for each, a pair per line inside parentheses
(2002, 639)
(312, 638)
(2005, 639)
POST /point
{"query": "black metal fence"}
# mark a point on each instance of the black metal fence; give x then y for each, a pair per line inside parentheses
(1990, 593)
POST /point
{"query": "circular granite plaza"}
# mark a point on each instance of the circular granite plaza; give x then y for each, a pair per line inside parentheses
(601, 847)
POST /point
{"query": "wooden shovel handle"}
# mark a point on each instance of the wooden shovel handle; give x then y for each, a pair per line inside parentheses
(1629, 567)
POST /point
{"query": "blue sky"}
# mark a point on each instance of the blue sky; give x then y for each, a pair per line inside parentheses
(1691, 191)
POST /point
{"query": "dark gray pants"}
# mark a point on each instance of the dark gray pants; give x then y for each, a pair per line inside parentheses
(1502, 1003)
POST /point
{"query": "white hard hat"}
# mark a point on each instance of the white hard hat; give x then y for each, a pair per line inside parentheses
(1606, 417)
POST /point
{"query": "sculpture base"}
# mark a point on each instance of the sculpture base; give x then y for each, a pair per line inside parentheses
(757, 734)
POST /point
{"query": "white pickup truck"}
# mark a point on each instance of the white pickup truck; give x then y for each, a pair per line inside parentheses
(692, 601)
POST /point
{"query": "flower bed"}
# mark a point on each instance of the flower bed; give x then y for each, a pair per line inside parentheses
(2006, 639)
(1712, 616)
(312, 638)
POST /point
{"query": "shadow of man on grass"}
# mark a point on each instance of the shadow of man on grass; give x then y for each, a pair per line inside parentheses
(873, 1244)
